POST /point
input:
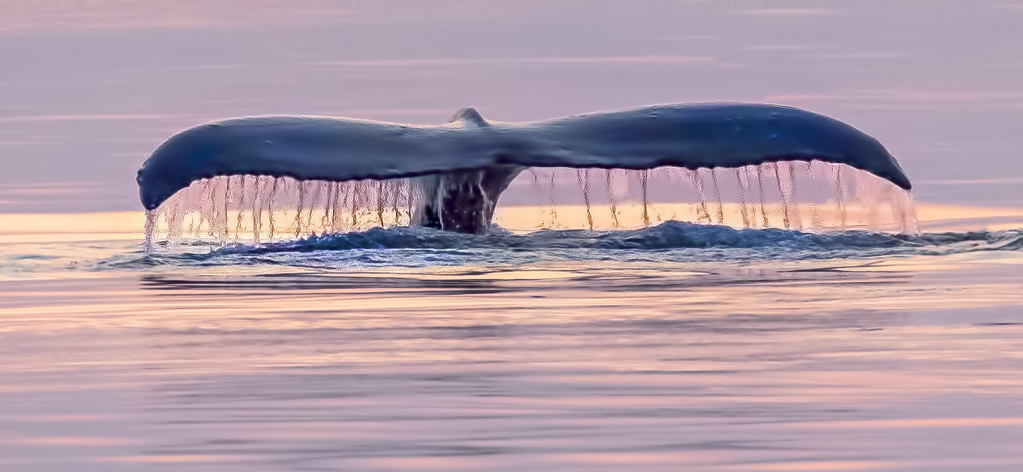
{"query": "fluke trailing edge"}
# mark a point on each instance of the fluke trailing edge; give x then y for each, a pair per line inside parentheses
(464, 165)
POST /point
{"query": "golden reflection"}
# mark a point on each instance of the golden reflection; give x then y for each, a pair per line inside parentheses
(948, 217)
(695, 369)
(128, 225)
(68, 227)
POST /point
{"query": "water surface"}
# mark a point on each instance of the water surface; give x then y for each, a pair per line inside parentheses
(679, 345)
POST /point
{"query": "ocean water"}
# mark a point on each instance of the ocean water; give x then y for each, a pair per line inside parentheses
(676, 347)
(680, 345)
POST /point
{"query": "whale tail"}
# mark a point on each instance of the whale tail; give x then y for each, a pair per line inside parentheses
(469, 117)
(330, 174)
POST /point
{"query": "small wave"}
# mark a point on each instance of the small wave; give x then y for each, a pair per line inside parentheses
(669, 235)
(673, 242)
(681, 242)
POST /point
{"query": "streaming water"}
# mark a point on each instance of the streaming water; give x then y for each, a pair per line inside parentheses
(238, 208)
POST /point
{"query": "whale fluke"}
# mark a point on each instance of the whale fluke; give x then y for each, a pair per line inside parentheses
(461, 168)
(469, 117)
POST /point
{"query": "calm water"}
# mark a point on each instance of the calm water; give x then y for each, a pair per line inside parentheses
(677, 345)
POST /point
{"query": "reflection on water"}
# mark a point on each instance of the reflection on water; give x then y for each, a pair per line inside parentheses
(745, 364)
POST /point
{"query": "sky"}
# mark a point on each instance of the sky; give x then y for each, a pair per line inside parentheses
(89, 89)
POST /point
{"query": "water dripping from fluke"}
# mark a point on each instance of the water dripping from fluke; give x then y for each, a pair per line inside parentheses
(269, 178)
(251, 209)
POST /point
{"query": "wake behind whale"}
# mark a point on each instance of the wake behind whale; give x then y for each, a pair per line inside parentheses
(753, 166)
